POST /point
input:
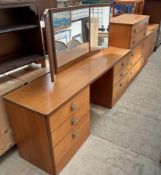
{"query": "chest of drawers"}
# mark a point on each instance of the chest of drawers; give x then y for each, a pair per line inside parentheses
(49, 141)
(151, 40)
(127, 30)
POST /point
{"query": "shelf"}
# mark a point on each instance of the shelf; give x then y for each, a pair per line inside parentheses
(14, 28)
(14, 63)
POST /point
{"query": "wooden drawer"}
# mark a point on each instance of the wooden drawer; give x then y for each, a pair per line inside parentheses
(135, 69)
(58, 134)
(71, 143)
(136, 39)
(78, 106)
(121, 64)
(119, 89)
(139, 32)
(136, 54)
(120, 75)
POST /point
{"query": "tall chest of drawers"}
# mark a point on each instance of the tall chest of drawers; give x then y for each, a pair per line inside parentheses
(51, 140)
(127, 30)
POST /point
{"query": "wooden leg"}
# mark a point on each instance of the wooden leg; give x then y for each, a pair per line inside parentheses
(42, 62)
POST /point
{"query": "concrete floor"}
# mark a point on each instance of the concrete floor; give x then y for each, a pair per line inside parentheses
(124, 141)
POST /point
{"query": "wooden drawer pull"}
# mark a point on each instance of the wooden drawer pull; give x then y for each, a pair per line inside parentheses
(122, 64)
(134, 30)
(120, 84)
(74, 121)
(75, 135)
(74, 107)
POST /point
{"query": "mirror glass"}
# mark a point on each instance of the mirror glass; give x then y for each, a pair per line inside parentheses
(99, 27)
(71, 34)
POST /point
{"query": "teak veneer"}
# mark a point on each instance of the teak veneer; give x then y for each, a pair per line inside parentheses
(55, 117)
(44, 97)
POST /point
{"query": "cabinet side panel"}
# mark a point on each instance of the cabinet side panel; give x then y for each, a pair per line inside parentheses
(30, 132)
(120, 36)
(101, 90)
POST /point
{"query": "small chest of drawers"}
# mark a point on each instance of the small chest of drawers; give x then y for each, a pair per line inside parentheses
(127, 30)
(49, 141)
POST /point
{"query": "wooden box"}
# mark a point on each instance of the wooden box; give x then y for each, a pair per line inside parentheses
(127, 30)
(7, 84)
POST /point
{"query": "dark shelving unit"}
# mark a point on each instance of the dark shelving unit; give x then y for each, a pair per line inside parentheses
(10, 64)
(20, 34)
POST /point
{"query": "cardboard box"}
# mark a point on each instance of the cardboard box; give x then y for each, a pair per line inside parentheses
(29, 73)
(6, 141)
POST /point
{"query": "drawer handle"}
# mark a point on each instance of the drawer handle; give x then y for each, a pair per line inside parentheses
(75, 135)
(6, 131)
(74, 107)
(132, 54)
(131, 64)
(122, 64)
(120, 84)
(134, 30)
(74, 121)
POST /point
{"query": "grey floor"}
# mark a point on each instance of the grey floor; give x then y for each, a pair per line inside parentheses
(124, 141)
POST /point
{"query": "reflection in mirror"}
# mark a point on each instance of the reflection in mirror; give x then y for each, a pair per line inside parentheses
(71, 35)
(99, 27)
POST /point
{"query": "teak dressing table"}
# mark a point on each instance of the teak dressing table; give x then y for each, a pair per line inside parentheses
(59, 111)
(52, 120)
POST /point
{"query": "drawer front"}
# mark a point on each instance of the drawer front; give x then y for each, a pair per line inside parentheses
(71, 143)
(135, 69)
(136, 39)
(121, 64)
(141, 26)
(120, 75)
(58, 134)
(119, 89)
(78, 106)
(136, 54)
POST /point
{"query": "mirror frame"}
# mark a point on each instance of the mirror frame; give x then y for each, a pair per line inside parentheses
(100, 5)
(50, 39)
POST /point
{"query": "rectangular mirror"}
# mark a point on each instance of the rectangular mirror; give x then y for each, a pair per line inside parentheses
(99, 26)
(70, 28)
